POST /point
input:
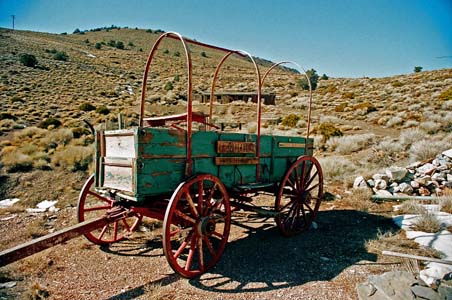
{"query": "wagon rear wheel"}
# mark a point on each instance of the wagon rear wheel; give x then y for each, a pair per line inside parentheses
(92, 204)
(196, 225)
(299, 196)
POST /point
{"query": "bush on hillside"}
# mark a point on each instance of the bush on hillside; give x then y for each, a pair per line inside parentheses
(103, 110)
(98, 45)
(28, 60)
(61, 55)
(50, 122)
(87, 107)
(328, 130)
(290, 120)
(313, 78)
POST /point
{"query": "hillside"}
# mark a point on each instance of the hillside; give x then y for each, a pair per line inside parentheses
(360, 127)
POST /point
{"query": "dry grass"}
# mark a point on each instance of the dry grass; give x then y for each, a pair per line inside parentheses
(337, 169)
(410, 207)
(445, 202)
(397, 242)
(36, 292)
(427, 222)
(360, 199)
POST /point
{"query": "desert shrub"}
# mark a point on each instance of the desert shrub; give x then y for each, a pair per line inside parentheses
(98, 45)
(60, 136)
(73, 158)
(445, 202)
(427, 222)
(394, 121)
(111, 43)
(17, 161)
(168, 86)
(348, 95)
(290, 120)
(177, 53)
(130, 44)
(30, 133)
(203, 54)
(28, 60)
(7, 116)
(324, 77)
(15, 99)
(350, 143)
(76, 31)
(396, 83)
(119, 45)
(337, 169)
(103, 110)
(430, 127)
(360, 199)
(423, 150)
(166, 51)
(176, 77)
(78, 132)
(409, 136)
(87, 107)
(341, 107)
(365, 106)
(411, 207)
(446, 95)
(417, 69)
(50, 122)
(61, 55)
(328, 130)
(313, 78)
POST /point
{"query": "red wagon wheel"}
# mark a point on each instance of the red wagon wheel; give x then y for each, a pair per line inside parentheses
(299, 196)
(92, 204)
(196, 225)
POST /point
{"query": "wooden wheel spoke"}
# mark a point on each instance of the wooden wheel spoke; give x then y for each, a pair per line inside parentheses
(291, 184)
(312, 187)
(201, 207)
(309, 207)
(115, 230)
(191, 253)
(209, 246)
(104, 229)
(126, 225)
(217, 234)
(180, 250)
(99, 197)
(184, 216)
(192, 205)
(302, 177)
(97, 208)
(285, 206)
(297, 182)
(308, 183)
(200, 254)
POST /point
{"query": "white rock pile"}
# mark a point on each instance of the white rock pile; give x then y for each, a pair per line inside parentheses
(418, 179)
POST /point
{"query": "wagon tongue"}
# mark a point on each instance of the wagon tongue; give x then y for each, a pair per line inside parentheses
(34, 246)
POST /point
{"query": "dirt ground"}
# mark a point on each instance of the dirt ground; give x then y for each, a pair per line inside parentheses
(258, 263)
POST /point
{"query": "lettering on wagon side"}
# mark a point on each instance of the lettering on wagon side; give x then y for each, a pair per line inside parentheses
(235, 147)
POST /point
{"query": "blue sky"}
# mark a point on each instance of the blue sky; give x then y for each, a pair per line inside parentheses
(343, 38)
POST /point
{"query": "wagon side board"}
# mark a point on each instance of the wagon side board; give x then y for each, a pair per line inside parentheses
(144, 162)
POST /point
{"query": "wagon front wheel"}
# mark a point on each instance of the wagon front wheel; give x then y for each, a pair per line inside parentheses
(196, 225)
(299, 196)
(92, 204)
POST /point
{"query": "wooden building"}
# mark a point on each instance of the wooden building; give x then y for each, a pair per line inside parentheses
(228, 97)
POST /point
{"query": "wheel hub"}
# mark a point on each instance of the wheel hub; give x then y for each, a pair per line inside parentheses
(206, 226)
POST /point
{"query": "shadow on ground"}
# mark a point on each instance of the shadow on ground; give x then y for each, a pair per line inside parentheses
(264, 260)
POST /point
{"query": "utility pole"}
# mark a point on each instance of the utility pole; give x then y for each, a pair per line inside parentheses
(13, 16)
